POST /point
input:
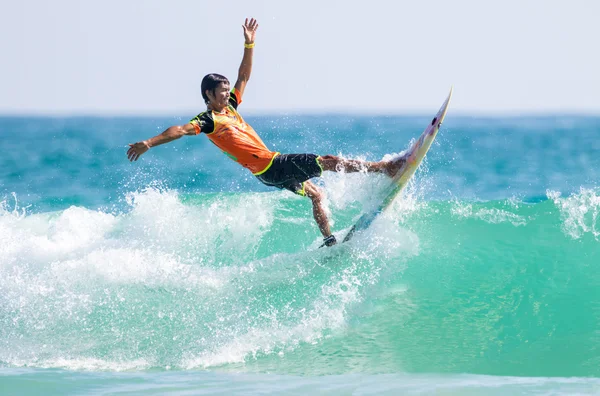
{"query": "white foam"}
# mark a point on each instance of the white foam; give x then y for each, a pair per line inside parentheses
(579, 212)
(136, 266)
(42, 238)
(160, 242)
(230, 225)
(59, 269)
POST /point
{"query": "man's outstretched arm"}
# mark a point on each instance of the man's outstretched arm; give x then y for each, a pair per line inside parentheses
(250, 27)
(170, 134)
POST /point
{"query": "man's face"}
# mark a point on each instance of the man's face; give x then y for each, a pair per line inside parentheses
(220, 99)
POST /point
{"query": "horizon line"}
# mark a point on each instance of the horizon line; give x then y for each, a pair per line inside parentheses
(309, 113)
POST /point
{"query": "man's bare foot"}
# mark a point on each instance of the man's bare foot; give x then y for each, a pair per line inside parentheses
(393, 166)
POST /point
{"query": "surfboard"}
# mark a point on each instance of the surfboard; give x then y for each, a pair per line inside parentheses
(413, 156)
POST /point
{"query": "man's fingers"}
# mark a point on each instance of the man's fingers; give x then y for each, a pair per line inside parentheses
(251, 24)
(131, 153)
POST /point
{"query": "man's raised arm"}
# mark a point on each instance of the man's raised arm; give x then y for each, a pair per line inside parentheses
(170, 134)
(250, 27)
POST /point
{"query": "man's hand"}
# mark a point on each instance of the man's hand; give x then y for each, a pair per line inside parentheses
(137, 149)
(250, 30)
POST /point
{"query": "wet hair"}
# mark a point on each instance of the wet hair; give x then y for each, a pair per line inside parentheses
(210, 82)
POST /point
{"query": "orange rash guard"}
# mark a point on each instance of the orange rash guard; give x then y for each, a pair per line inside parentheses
(238, 140)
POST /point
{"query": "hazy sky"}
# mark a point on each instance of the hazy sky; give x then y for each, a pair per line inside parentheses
(142, 57)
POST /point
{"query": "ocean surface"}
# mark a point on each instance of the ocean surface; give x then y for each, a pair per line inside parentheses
(182, 274)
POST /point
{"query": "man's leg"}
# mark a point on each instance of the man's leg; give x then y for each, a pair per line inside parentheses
(337, 164)
(316, 196)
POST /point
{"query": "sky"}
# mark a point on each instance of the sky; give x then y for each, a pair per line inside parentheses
(121, 57)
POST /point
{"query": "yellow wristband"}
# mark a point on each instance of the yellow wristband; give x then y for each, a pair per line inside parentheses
(251, 45)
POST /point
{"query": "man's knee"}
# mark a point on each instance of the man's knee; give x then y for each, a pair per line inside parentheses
(329, 162)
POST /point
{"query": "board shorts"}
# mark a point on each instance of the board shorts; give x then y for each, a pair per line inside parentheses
(290, 171)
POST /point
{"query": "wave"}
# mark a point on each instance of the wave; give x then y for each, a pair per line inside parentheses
(235, 280)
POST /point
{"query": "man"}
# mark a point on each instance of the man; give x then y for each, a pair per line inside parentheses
(224, 126)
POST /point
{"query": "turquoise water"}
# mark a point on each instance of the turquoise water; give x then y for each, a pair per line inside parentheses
(181, 273)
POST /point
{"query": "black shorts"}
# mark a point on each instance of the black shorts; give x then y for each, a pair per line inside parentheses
(290, 171)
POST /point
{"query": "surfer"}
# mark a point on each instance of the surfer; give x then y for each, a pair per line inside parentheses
(226, 128)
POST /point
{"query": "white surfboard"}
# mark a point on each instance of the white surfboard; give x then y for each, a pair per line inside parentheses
(414, 156)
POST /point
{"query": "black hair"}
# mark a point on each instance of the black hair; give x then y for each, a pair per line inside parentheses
(210, 82)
